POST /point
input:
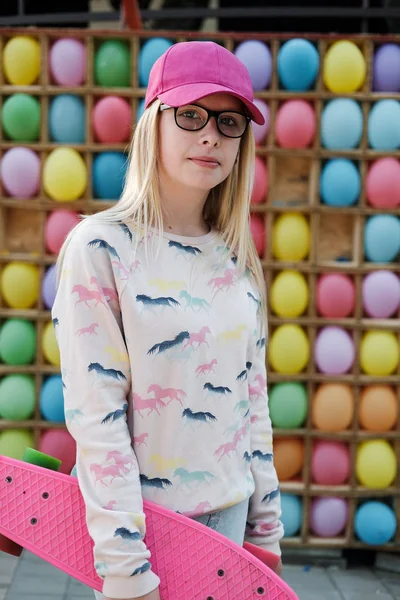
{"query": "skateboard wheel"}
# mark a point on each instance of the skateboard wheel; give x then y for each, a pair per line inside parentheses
(40, 459)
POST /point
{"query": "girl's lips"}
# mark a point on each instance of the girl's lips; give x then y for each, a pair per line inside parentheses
(207, 162)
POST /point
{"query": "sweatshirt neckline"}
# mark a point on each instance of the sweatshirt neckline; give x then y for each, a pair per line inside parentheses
(187, 239)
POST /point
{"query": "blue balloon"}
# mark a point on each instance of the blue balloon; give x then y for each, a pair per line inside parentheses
(109, 169)
(384, 125)
(149, 53)
(382, 238)
(375, 523)
(292, 514)
(340, 182)
(298, 64)
(140, 109)
(52, 399)
(67, 119)
(341, 124)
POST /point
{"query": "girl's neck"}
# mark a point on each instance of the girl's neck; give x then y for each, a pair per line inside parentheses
(183, 211)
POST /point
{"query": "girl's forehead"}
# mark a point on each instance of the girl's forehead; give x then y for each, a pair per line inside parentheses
(221, 101)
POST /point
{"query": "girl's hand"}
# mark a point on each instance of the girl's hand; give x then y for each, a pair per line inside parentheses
(154, 595)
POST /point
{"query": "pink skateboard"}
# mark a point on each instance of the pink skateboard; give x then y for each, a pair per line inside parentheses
(43, 511)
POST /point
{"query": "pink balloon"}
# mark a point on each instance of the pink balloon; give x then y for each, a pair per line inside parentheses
(20, 172)
(295, 124)
(257, 229)
(59, 223)
(330, 463)
(60, 444)
(261, 131)
(336, 295)
(68, 62)
(112, 120)
(334, 351)
(383, 183)
(328, 516)
(381, 294)
(260, 181)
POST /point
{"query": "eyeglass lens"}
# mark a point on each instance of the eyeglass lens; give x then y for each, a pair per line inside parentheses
(193, 118)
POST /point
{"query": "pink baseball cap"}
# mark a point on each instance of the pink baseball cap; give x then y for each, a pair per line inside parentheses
(188, 71)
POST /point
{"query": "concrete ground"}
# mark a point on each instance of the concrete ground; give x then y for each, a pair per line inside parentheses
(30, 578)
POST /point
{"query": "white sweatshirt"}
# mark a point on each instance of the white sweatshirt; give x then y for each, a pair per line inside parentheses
(165, 390)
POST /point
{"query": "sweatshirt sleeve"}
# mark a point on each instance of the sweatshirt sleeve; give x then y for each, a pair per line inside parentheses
(97, 381)
(264, 527)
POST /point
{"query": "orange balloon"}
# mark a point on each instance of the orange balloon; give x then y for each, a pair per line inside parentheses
(333, 407)
(378, 408)
(288, 457)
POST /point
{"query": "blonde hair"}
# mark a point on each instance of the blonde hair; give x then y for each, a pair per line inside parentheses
(226, 208)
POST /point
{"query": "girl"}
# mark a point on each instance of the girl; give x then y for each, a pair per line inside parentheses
(160, 320)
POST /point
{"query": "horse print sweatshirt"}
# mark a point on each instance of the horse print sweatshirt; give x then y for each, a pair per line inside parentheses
(164, 378)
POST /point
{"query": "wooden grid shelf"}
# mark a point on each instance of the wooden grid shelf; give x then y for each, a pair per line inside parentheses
(334, 232)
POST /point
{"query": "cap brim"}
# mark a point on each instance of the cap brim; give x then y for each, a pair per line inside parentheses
(186, 94)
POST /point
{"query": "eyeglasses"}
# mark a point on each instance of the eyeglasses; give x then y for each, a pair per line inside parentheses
(230, 123)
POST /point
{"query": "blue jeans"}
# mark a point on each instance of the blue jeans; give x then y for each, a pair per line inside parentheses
(230, 522)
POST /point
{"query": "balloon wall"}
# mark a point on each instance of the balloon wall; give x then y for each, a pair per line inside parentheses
(325, 219)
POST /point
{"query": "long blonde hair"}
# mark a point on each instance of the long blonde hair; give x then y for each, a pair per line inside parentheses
(226, 208)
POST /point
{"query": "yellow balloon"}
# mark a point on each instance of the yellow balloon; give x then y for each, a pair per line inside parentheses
(50, 345)
(21, 60)
(20, 284)
(291, 237)
(379, 353)
(289, 294)
(289, 349)
(344, 67)
(376, 464)
(64, 175)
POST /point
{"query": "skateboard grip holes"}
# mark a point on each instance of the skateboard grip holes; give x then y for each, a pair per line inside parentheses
(45, 495)
(220, 572)
(8, 479)
(210, 598)
(33, 521)
(260, 591)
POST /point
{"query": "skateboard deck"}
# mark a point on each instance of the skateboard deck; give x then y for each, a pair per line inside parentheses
(44, 512)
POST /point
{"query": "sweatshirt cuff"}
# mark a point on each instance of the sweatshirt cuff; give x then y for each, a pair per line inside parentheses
(130, 587)
(272, 547)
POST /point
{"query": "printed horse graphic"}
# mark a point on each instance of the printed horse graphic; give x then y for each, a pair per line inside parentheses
(152, 404)
(86, 295)
(258, 390)
(121, 460)
(171, 393)
(121, 268)
(226, 449)
(109, 293)
(206, 368)
(199, 337)
(225, 282)
(90, 329)
(100, 472)
(188, 477)
(140, 439)
(192, 302)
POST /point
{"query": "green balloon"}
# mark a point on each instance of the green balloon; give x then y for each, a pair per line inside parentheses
(17, 342)
(17, 397)
(21, 118)
(13, 442)
(288, 405)
(112, 64)
(34, 457)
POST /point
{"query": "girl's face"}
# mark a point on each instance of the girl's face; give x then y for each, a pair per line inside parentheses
(198, 159)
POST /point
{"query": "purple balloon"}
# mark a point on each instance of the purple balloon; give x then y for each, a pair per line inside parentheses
(20, 172)
(256, 56)
(386, 69)
(68, 62)
(328, 516)
(381, 294)
(49, 287)
(334, 351)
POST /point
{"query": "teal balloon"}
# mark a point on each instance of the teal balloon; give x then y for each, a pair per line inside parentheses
(17, 342)
(382, 238)
(21, 118)
(288, 405)
(384, 125)
(67, 117)
(298, 64)
(109, 169)
(341, 124)
(140, 109)
(112, 64)
(17, 397)
(375, 523)
(149, 53)
(292, 514)
(52, 399)
(340, 183)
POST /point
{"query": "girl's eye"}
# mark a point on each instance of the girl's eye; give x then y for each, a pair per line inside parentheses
(228, 121)
(190, 114)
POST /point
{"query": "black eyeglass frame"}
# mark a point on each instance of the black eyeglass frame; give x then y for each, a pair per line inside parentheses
(210, 113)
